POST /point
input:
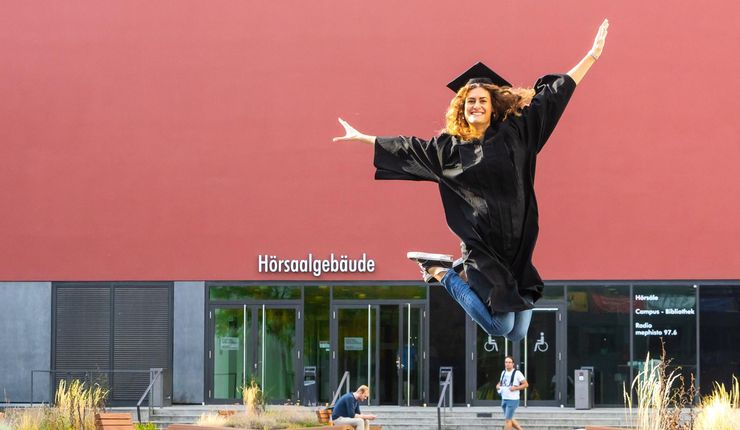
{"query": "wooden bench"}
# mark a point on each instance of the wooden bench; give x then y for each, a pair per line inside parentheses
(113, 421)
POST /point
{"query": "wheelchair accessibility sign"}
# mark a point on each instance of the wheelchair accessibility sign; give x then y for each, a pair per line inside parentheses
(541, 345)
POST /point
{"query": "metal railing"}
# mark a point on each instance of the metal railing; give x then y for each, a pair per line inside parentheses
(154, 375)
(70, 374)
(446, 390)
(344, 380)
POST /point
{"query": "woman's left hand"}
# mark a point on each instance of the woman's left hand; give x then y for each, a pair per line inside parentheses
(600, 40)
(350, 133)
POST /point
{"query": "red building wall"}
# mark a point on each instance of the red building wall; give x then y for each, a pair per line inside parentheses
(179, 140)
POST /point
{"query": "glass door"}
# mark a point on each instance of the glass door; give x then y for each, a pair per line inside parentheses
(254, 343)
(278, 356)
(390, 356)
(354, 346)
(540, 355)
(230, 364)
(488, 362)
(381, 346)
(413, 355)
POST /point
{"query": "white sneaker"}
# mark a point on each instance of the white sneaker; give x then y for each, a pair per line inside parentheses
(427, 260)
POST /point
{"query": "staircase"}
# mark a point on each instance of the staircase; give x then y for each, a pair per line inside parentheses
(533, 418)
(420, 418)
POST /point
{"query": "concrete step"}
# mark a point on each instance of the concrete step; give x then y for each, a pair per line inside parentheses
(425, 418)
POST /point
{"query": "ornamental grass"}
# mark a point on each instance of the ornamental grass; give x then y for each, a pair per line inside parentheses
(719, 410)
(661, 397)
(75, 408)
(663, 401)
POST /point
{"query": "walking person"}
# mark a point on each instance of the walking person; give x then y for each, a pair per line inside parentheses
(509, 385)
(484, 162)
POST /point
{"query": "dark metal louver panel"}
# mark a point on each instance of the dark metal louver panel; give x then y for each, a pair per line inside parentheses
(141, 336)
(82, 332)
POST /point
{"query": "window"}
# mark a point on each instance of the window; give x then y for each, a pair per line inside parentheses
(598, 336)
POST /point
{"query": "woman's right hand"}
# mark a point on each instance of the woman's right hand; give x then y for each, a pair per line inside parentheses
(599, 40)
(350, 133)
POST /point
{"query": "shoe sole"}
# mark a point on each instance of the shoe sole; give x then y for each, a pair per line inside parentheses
(414, 255)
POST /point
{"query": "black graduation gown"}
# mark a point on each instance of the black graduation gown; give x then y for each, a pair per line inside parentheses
(487, 190)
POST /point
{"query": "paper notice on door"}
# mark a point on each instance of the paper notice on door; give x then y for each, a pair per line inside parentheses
(229, 343)
(353, 343)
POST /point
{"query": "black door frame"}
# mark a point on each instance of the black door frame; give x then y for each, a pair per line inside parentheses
(515, 350)
(375, 305)
(559, 308)
(252, 308)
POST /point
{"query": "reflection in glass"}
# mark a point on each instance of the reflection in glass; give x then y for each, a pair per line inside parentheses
(553, 292)
(316, 347)
(541, 356)
(277, 357)
(228, 360)
(411, 356)
(446, 343)
(666, 313)
(353, 345)
(380, 292)
(599, 337)
(720, 336)
(255, 292)
(390, 355)
(490, 353)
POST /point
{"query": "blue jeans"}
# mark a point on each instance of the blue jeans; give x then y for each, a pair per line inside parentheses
(509, 406)
(512, 325)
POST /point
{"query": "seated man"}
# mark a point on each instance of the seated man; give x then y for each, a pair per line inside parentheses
(347, 409)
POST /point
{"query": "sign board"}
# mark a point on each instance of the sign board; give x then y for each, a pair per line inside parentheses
(353, 343)
(229, 343)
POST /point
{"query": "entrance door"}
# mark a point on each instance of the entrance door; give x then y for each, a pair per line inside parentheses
(541, 354)
(487, 360)
(257, 343)
(381, 346)
(538, 357)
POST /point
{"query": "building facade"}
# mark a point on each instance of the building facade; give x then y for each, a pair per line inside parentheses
(297, 340)
(171, 198)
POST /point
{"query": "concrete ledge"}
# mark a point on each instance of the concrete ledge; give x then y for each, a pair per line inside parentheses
(195, 427)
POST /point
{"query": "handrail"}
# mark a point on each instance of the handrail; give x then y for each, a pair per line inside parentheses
(88, 375)
(154, 374)
(445, 385)
(345, 377)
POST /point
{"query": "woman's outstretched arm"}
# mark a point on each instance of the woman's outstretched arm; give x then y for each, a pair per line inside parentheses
(351, 134)
(580, 70)
(399, 157)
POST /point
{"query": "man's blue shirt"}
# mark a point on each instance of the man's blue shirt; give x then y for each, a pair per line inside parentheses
(347, 406)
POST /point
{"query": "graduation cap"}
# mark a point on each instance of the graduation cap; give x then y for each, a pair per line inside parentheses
(478, 74)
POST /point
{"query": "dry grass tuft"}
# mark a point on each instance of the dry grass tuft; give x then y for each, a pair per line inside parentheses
(280, 417)
(211, 420)
(719, 410)
(661, 396)
(253, 398)
(75, 408)
(77, 405)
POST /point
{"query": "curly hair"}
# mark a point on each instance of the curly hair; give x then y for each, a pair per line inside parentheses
(505, 101)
